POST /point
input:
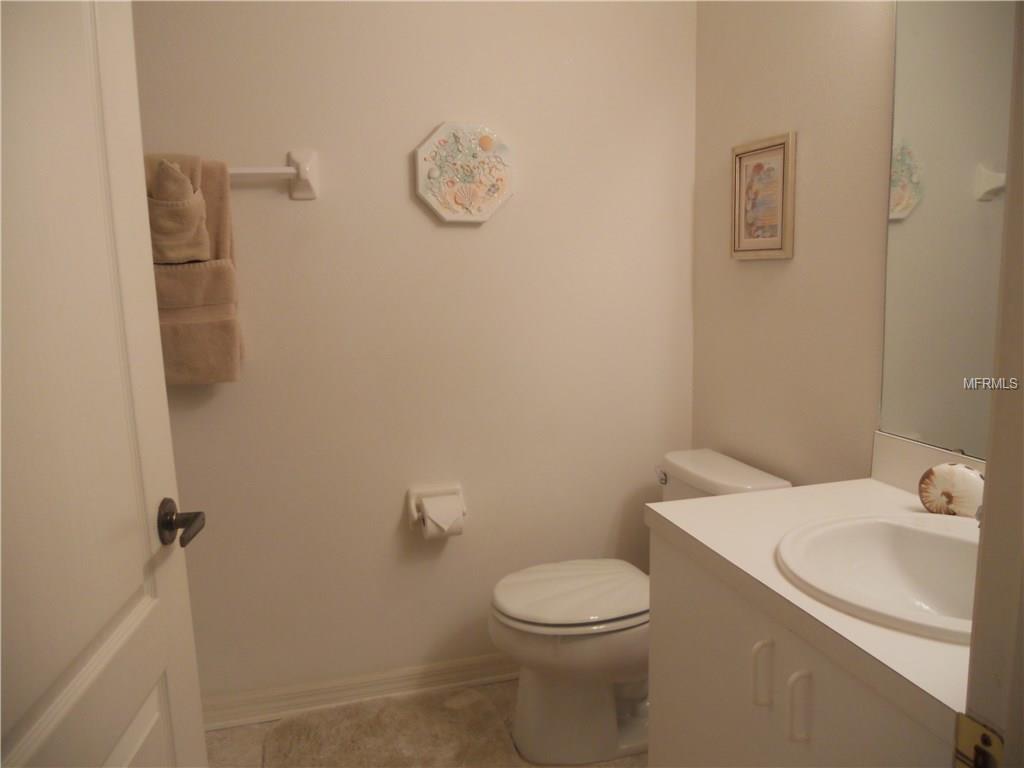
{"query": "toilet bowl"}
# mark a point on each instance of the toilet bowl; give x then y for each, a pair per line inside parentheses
(579, 631)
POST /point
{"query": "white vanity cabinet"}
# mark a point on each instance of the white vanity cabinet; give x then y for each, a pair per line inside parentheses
(734, 683)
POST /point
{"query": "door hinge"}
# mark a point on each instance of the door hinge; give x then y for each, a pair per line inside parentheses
(977, 746)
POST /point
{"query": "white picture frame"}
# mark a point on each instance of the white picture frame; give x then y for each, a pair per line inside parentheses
(764, 181)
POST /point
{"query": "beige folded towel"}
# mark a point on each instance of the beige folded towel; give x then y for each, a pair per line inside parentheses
(190, 165)
(177, 217)
(216, 186)
(201, 284)
(169, 183)
(197, 301)
(200, 344)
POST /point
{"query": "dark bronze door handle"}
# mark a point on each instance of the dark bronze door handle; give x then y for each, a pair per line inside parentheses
(169, 520)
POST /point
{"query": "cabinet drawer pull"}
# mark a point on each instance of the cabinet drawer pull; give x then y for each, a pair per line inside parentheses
(799, 687)
(763, 655)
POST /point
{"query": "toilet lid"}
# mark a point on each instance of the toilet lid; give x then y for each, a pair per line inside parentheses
(574, 592)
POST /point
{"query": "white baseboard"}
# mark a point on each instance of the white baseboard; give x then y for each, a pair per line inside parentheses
(230, 709)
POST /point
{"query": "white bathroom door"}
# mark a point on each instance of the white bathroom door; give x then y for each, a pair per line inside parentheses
(995, 685)
(99, 662)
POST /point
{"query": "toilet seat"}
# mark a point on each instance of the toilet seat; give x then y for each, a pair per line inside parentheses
(616, 625)
(574, 597)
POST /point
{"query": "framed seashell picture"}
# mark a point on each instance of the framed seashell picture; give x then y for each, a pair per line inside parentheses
(464, 172)
(763, 191)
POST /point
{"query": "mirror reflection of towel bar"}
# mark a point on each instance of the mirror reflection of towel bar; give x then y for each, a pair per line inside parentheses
(987, 184)
(302, 171)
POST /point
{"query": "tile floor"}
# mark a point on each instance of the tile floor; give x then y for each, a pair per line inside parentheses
(242, 746)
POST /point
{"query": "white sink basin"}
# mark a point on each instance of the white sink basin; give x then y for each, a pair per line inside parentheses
(910, 571)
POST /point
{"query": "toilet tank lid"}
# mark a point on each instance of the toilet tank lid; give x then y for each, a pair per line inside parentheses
(717, 474)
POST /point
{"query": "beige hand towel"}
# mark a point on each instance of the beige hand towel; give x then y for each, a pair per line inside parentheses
(216, 186)
(177, 217)
(190, 165)
(198, 321)
(169, 183)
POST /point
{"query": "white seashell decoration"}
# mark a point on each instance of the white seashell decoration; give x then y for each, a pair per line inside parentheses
(951, 489)
(464, 172)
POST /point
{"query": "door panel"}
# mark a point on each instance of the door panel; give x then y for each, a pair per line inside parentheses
(98, 655)
(86, 565)
(147, 740)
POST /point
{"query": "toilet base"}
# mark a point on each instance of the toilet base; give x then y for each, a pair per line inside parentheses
(566, 720)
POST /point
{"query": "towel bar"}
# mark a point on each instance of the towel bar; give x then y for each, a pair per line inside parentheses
(303, 171)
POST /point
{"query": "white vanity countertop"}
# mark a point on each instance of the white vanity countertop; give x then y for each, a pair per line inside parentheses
(744, 530)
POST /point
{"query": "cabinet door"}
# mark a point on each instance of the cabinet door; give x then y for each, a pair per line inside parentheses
(703, 642)
(829, 717)
(731, 686)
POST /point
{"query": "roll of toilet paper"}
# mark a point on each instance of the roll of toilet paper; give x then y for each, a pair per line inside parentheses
(442, 516)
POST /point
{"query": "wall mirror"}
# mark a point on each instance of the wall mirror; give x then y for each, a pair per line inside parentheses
(951, 121)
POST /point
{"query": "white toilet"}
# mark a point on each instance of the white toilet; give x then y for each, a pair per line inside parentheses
(579, 632)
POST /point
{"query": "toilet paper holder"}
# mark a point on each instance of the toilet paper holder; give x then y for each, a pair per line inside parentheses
(419, 492)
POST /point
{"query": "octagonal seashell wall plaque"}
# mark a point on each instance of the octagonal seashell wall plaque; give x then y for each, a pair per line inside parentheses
(463, 172)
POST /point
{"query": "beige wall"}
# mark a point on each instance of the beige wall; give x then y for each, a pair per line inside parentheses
(543, 359)
(787, 354)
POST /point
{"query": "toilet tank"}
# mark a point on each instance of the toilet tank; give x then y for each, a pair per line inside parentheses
(703, 472)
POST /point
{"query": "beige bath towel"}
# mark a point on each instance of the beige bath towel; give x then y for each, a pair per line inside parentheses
(177, 217)
(198, 321)
(200, 344)
(202, 284)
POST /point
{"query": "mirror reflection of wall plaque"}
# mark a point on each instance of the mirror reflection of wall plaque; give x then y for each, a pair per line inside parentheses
(464, 172)
(763, 197)
(905, 188)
